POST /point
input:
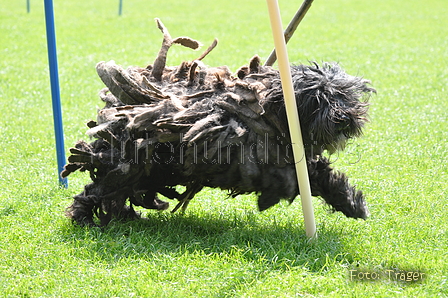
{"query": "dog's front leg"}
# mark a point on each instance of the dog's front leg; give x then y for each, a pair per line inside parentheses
(335, 189)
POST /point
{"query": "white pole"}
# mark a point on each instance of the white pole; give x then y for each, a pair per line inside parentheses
(293, 118)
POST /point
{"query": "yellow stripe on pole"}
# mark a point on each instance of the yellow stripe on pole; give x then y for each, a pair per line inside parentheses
(293, 118)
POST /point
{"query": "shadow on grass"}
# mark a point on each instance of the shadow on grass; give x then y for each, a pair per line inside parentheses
(278, 245)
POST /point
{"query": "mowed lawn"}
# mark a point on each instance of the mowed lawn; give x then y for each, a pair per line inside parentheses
(224, 247)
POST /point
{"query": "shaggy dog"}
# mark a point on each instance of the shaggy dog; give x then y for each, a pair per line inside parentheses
(198, 127)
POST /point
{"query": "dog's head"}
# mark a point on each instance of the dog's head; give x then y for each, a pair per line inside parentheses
(332, 105)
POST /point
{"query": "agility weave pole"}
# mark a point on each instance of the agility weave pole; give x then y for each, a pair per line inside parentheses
(289, 31)
(120, 7)
(293, 118)
(55, 92)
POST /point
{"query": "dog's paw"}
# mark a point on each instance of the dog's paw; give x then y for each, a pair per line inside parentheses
(359, 208)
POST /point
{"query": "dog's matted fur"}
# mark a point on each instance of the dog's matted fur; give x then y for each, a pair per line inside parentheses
(199, 126)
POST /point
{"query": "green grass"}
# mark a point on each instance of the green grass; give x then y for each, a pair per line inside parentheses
(225, 248)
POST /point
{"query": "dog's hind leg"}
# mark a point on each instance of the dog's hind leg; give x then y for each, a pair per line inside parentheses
(334, 188)
(81, 210)
(85, 206)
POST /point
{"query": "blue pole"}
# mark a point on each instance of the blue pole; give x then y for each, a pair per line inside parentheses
(55, 94)
(28, 6)
(120, 7)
